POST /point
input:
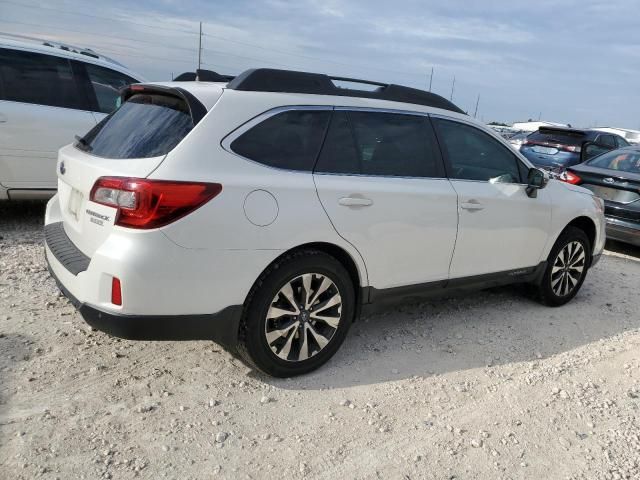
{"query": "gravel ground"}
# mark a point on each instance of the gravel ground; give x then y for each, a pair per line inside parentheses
(490, 386)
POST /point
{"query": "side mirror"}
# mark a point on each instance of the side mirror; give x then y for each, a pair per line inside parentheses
(591, 150)
(536, 180)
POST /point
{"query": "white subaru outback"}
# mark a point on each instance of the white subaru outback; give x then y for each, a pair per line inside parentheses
(267, 212)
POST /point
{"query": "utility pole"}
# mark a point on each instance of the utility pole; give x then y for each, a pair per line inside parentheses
(453, 85)
(200, 48)
(477, 103)
(431, 79)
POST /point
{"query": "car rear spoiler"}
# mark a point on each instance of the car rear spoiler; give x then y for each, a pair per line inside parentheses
(561, 130)
(196, 109)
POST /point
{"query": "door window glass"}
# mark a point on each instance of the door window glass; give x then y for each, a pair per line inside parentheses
(380, 144)
(39, 79)
(474, 155)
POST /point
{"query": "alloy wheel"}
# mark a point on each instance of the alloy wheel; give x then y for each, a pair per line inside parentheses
(568, 268)
(303, 317)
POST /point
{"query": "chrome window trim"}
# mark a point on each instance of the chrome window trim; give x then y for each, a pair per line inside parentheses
(493, 135)
(226, 142)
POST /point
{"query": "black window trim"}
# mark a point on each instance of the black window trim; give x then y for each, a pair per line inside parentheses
(226, 142)
(491, 134)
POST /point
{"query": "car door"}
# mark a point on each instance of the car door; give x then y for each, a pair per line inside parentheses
(500, 227)
(380, 179)
(42, 107)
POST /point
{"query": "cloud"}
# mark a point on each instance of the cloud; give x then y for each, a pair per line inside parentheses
(574, 60)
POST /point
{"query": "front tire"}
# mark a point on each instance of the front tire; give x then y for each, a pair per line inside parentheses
(297, 314)
(567, 267)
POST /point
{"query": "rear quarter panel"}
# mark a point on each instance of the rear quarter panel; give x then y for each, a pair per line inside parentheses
(222, 224)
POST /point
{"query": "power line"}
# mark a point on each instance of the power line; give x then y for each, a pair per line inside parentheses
(282, 52)
(39, 7)
(101, 35)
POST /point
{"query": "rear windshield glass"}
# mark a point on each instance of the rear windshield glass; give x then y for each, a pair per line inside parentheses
(146, 125)
(622, 161)
(557, 137)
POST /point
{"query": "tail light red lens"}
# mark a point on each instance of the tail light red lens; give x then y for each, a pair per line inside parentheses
(570, 177)
(570, 148)
(116, 291)
(145, 204)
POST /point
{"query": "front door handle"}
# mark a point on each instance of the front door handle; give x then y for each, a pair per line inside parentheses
(471, 205)
(355, 202)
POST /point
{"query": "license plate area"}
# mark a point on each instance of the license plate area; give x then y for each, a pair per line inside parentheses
(544, 150)
(75, 203)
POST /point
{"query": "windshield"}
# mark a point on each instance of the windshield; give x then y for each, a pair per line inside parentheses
(146, 125)
(620, 160)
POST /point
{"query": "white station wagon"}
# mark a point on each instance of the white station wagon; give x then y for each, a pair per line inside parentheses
(267, 212)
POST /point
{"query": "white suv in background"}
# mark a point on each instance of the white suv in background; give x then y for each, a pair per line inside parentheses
(266, 213)
(48, 94)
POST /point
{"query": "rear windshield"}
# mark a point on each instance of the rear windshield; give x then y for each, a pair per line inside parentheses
(146, 125)
(620, 160)
(557, 137)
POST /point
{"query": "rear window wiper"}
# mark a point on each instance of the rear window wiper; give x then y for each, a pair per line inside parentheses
(83, 144)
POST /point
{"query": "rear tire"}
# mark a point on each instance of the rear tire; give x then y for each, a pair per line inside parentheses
(297, 314)
(567, 267)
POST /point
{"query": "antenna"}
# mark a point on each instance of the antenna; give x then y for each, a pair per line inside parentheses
(431, 79)
(475, 114)
(200, 48)
(453, 86)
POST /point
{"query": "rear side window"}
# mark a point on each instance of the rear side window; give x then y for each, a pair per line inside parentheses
(289, 140)
(146, 125)
(106, 84)
(621, 142)
(607, 141)
(620, 160)
(474, 155)
(558, 137)
(38, 79)
(380, 144)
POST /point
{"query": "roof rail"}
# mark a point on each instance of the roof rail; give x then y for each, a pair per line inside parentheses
(203, 76)
(289, 81)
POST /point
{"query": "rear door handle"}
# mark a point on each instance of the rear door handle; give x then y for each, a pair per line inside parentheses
(355, 202)
(472, 205)
(3, 118)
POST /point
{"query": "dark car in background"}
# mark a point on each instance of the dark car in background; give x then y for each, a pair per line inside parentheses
(556, 148)
(615, 177)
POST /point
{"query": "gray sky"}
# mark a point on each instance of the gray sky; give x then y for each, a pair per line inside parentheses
(575, 61)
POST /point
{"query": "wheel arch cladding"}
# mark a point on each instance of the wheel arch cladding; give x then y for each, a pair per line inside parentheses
(587, 225)
(336, 252)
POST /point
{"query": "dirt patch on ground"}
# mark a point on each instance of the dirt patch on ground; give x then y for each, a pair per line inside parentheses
(491, 385)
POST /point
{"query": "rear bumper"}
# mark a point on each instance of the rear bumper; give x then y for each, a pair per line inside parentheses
(623, 231)
(221, 327)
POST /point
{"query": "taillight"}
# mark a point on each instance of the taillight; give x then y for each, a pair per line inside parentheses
(144, 203)
(116, 291)
(570, 177)
(570, 148)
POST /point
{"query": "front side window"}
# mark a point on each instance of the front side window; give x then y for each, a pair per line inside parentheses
(474, 155)
(380, 144)
(146, 125)
(106, 84)
(38, 79)
(289, 140)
